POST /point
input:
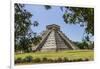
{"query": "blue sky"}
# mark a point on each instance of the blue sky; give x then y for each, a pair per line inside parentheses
(53, 16)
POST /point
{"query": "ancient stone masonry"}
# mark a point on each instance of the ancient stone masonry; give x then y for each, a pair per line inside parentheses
(54, 39)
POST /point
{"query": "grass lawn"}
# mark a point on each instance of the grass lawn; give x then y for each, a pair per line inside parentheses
(70, 54)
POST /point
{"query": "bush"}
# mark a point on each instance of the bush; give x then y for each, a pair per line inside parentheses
(18, 60)
(77, 60)
(86, 59)
(50, 60)
(59, 60)
(45, 59)
(80, 59)
(55, 60)
(65, 59)
(28, 59)
(37, 60)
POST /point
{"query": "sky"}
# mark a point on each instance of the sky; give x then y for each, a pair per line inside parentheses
(53, 16)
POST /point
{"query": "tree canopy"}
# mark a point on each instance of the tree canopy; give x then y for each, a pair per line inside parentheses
(23, 23)
(82, 16)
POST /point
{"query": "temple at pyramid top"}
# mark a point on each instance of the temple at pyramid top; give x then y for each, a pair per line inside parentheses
(53, 27)
(54, 39)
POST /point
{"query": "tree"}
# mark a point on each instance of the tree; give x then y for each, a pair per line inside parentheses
(22, 26)
(84, 44)
(23, 32)
(22, 20)
(36, 40)
(47, 7)
(82, 16)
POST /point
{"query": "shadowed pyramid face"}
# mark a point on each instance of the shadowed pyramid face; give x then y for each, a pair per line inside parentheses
(54, 39)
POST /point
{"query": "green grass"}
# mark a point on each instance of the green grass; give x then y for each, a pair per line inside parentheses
(70, 54)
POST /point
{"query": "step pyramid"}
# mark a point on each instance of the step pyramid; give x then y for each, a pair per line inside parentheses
(54, 39)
